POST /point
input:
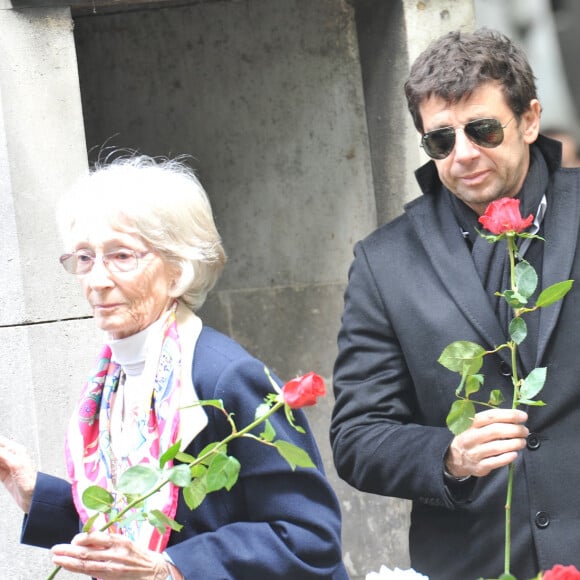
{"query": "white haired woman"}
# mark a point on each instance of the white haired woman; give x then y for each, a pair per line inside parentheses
(142, 241)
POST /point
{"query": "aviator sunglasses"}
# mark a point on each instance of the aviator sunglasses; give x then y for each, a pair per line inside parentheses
(487, 133)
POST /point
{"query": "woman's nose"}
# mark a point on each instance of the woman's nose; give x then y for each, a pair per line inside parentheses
(99, 275)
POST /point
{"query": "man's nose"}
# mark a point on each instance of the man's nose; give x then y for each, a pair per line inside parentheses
(464, 147)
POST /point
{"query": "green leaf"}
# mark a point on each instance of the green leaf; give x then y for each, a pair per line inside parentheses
(138, 480)
(473, 384)
(291, 421)
(162, 522)
(180, 475)
(184, 457)
(491, 238)
(207, 449)
(222, 472)
(462, 357)
(526, 279)
(217, 403)
(518, 330)
(98, 498)
(197, 470)
(460, 416)
(532, 403)
(195, 493)
(170, 454)
(514, 298)
(507, 576)
(531, 236)
(533, 383)
(294, 456)
(496, 398)
(554, 293)
(269, 432)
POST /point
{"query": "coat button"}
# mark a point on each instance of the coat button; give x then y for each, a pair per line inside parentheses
(542, 519)
(505, 369)
(533, 441)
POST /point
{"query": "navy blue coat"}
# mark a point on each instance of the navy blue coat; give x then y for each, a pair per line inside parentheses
(274, 523)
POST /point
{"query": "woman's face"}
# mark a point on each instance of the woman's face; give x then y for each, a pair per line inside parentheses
(123, 303)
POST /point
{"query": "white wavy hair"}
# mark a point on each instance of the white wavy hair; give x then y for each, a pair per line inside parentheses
(165, 205)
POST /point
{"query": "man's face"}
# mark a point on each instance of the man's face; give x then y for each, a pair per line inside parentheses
(475, 174)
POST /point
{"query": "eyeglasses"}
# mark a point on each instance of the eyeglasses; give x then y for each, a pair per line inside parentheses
(487, 133)
(82, 262)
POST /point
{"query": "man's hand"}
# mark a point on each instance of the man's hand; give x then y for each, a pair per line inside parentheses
(492, 441)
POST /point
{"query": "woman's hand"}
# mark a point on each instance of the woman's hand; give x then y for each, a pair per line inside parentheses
(492, 441)
(110, 557)
(17, 472)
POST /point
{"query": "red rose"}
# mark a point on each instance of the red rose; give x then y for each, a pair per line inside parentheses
(559, 572)
(303, 391)
(503, 215)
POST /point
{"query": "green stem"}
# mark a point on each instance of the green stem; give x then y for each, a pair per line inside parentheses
(508, 521)
(54, 572)
(511, 246)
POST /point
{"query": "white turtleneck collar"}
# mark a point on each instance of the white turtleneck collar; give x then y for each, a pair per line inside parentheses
(131, 352)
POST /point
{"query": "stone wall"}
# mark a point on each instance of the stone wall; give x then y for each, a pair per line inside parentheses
(293, 114)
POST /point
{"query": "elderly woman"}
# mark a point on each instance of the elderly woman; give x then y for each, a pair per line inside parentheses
(141, 239)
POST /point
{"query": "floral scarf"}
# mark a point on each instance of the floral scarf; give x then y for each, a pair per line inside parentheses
(89, 456)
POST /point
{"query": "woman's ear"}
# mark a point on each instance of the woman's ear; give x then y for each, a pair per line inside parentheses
(175, 276)
(182, 278)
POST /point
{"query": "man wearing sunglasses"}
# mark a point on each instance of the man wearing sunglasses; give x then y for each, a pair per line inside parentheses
(428, 279)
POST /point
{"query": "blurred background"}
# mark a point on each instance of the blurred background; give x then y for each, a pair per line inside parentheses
(548, 30)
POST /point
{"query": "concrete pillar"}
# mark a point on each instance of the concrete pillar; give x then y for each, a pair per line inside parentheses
(42, 149)
(391, 35)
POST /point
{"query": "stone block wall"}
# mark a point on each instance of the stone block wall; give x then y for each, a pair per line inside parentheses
(293, 115)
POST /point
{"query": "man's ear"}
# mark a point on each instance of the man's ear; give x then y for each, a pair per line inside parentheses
(530, 122)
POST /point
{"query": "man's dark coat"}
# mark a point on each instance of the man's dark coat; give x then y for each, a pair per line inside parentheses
(413, 289)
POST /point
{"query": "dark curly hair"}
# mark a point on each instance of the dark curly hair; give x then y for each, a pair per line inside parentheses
(457, 63)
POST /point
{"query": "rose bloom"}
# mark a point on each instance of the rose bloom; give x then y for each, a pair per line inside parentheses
(559, 572)
(303, 391)
(503, 215)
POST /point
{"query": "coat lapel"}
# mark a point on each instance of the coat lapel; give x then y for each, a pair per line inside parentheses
(561, 233)
(451, 259)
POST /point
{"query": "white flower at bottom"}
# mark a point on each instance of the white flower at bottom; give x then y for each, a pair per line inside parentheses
(397, 574)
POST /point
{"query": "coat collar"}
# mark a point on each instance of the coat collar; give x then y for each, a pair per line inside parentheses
(437, 229)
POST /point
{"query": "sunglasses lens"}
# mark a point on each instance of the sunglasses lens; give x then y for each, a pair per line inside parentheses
(485, 132)
(439, 143)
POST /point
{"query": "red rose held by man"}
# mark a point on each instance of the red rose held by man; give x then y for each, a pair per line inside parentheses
(503, 215)
(303, 391)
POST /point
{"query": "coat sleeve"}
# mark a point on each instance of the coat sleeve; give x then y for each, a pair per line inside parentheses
(52, 518)
(380, 443)
(275, 522)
